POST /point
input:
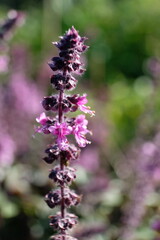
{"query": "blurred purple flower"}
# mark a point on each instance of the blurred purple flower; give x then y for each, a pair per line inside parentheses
(26, 93)
(90, 159)
(147, 155)
(156, 225)
(7, 149)
(4, 61)
(89, 231)
(98, 184)
(18, 106)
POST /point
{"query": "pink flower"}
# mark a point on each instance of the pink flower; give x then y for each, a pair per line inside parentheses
(80, 130)
(42, 119)
(45, 122)
(61, 130)
(80, 101)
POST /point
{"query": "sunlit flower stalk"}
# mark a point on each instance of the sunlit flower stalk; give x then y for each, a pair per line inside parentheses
(70, 46)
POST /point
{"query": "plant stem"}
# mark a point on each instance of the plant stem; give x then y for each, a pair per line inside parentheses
(60, 112)
(60, 118)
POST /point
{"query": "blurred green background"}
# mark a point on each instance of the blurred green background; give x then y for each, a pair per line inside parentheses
(119, 173)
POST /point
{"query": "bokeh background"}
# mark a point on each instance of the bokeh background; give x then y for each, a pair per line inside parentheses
(119, 173)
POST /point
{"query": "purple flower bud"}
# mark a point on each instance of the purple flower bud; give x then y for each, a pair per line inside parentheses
(49, 102)
(67, 54)
(70, 83)
(65, 223)
(53, 198)
(58, 80)
(71, 153)
(63, 82)
(65, 176)
(71, 198)
(53, 154)
(71, 40)
(76, 66)
(73, 99)
(66, 105)
(56, 63)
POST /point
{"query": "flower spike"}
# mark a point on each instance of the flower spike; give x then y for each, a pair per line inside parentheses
(70, 46)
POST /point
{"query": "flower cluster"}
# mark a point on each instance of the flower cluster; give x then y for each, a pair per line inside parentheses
(69, 104)
(63, 223)
(67, 64)
(62, 176)
(76, 126)
(54, 153)
(70, 198)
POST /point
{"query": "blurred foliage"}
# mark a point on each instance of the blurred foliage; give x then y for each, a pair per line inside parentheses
(122, 82)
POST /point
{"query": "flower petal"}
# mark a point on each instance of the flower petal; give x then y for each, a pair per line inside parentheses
(42, 119)
(86, 109)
